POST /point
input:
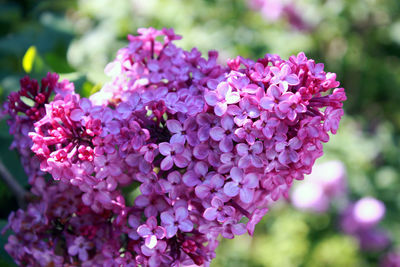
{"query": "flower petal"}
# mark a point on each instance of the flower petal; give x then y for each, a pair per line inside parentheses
(76, 114)
(211, 98)
(210, 214)
(226, 144)
(144, 230)
(174, 126)
(220, 109)
(181, 161)
(231, 189)
(217, 133)
(190, 178)
(186, 226)
(165, 148)
(167, 163)
(151, 241)
(246, 195)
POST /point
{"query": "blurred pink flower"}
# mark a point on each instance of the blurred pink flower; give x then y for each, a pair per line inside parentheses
(326, 182)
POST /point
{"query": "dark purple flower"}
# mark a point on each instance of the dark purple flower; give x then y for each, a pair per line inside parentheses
(173, 155)
(224, 134)
(176, 219)
(151, 232)
(218, 211)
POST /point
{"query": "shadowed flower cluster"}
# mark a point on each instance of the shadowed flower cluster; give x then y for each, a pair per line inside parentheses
(201, 145)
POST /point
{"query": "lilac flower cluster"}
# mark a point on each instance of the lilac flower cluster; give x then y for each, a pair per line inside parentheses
(326, 183)
(26, 107)
(205, 148)
(272, 10)
(361, 220)
(391, 260)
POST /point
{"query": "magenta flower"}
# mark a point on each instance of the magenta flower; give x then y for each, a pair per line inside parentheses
(197, 175)
(176, 219)
(288, 151)
(85, 153)
(157, 254)
(80, 248)
(316, 70)
(93, 196)
(139, 135)
(126, 108)
(284, 76)
(174, 104)
(173, 155)
(266, 124)
(173, 185)
(333, 117)
(274, 96)
(224, 134)
(250, 155)
(151, 232)
(151, 204)
(206, 122)
(248, 108)
(82, 114)
(247, 132)
(254, 219)
(134, 223)
(210, 187)
(109, 124)
(103, 145)
(221, 98)
(260, 73)
(242, 185)
(107, 166)
(218, 211)
(149, 152)
(291, 107)
(182, 134)
(230, 228)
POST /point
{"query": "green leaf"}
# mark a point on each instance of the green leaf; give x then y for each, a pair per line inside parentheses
(89, 89)
(29, 59)
(77, 78)
(131, 192)
(34, 64)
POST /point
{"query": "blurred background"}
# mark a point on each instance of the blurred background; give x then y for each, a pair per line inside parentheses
(347, 213)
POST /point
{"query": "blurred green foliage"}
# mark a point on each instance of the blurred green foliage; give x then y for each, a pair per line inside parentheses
(357, 39)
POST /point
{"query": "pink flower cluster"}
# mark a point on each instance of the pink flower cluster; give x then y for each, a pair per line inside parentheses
(27, 106)
(174, 151)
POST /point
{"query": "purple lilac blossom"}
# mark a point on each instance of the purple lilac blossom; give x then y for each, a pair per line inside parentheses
(361, 220)
(272, 10)
(392, 259)
(200, 144)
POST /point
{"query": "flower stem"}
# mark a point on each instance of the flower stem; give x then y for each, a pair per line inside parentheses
(19, 192)
(239, 208)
